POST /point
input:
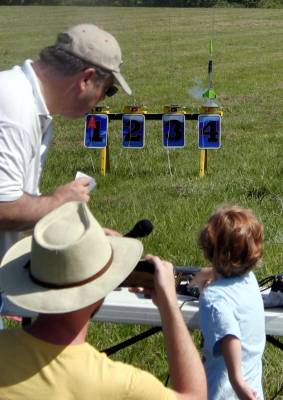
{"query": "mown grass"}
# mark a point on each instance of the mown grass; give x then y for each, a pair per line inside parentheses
(165, 51)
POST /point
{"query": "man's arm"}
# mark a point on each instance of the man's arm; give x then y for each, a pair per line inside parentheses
(23, 213)
(231, 350)
(186, 370)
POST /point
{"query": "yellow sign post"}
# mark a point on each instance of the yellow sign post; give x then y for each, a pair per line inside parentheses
(212, 108)
(104, 152)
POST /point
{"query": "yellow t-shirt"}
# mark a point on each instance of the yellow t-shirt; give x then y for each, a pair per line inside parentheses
(36, 370)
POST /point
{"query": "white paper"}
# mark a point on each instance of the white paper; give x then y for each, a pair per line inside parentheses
(91, 184)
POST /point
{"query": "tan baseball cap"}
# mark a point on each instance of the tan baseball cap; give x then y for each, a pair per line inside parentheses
(95, 46)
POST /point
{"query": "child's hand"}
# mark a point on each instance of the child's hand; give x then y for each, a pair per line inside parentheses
(202, 278)
(244, 391)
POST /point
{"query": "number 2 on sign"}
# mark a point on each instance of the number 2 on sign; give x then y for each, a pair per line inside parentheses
(133, 130)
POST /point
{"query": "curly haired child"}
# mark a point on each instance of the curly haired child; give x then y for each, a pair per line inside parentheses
(231, 307)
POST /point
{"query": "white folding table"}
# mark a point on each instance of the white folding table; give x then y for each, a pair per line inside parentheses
(121, 306)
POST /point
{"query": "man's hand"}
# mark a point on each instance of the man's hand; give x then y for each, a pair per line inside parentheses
(164, 281)
(23, 213)
(77, 190)
(111, 232)
(164, 290)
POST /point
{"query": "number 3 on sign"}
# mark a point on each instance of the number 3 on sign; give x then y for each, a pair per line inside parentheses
(209, 131)
(133, 130)
(173, 130)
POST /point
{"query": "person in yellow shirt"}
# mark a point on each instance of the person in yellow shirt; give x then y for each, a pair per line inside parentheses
(63, 272)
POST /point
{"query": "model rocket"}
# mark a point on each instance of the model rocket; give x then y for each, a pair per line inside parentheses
(209, 93)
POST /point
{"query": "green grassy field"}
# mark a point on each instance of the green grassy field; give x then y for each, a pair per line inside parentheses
(165, 53)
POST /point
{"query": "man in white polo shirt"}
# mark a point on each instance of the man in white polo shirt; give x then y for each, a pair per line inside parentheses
(68, 79)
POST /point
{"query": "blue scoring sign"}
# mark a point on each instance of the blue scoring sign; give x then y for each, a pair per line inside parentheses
(133, 129)
(173, 130)
(209, 131)
(96, 127)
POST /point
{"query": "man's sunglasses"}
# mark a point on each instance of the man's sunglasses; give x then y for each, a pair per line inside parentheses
(111, 91)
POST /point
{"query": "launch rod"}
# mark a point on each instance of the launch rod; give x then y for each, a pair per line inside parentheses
(210, 66)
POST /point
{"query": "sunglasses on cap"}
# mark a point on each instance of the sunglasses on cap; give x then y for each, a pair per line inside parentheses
(111, 91)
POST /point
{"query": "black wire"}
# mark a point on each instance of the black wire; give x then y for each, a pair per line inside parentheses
(277, 393)
(263, 282)
(275, 342)
(132, 340)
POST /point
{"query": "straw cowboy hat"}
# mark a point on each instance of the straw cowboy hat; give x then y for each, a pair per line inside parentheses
(68, 263)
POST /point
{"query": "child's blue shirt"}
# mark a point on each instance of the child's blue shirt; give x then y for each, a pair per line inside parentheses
(232, 306)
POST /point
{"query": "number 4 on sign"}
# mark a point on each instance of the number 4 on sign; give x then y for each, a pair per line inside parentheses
(209, 131)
